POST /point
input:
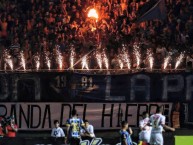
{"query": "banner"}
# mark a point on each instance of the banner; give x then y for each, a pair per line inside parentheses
(32, 87)
(40, 116)
(136, 87)
(74, 87)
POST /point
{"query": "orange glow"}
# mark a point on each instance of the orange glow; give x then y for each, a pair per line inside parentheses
(93, 14)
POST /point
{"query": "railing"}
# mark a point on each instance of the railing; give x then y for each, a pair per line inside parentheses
(99, 71)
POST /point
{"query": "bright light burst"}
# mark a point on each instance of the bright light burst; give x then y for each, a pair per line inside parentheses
(22, 60)
(93, 14)
(166, 61)
(179, 60)
(48, 61)
(37, 61)
(7, 59)
(150, 58)
(99, 59)
(120, 63)
(125, 58)
(59, 57)
(105, 59)
(72, 58)
(85, 63)
(137, 54)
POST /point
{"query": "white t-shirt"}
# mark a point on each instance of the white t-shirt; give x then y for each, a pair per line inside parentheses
(90, 129)
(143, 124)
(157, 120)
(145, 134)
(57, 132)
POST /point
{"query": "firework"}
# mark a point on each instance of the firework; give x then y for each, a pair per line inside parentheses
(106, 61)
(150, 58)
(72, 58)
(93, 14)
(99, 59)
(179, 60)
(48, 61)
(22, 60)
(37, 61)
(120, 63)
(7, 59)
(125, 58)
(84, 63)
(137, 54)
(59, 58)
(166, 61)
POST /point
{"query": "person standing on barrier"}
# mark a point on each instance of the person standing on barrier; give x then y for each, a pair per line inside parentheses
(74, 125)
(58, 134)
(125, 136)
(157, 121)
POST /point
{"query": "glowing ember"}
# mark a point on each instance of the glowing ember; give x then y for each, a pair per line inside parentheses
(93, 14)
(7, 59)
(23, 63)
(166, 61)
(179, 60)
(99, 59)
(150, 58)
(48, 61)
(137, 54)
(37, 61)
(72, 58)
(84, 63)
(59, 58)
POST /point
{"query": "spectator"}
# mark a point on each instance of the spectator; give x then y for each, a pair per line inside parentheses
(57, 133)
(36, 25)
(12, 128)
(88, 134)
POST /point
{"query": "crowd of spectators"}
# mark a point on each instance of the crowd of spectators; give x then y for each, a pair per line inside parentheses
(37, 26)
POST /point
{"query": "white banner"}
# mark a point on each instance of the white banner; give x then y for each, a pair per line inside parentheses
(40, 116)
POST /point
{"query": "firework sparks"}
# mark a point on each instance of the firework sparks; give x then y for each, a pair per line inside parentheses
(48, 61)
(150, 58)
(72, 58)
(166, 61)
(93, 14)
(7, 59)
(125, 58)
(137, 54)
(37, 61)
(120, 63)
(59, 58)
(85, 63)
(99, 59)
(127, 61)
(179, 60)
(106, 61)
(22, 60)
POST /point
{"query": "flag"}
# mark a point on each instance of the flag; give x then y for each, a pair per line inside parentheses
(157, 11)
